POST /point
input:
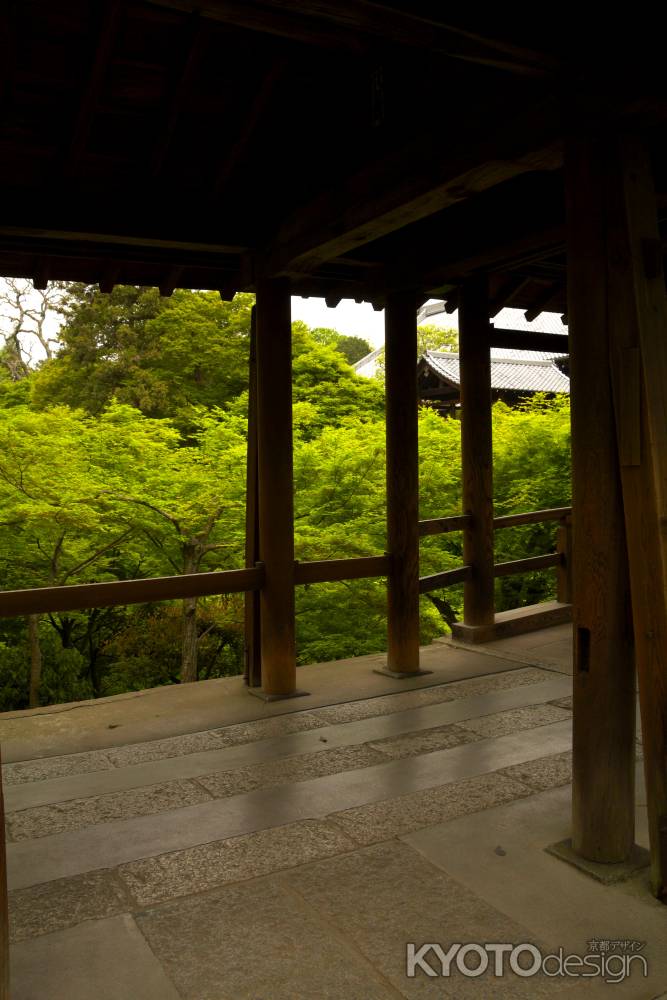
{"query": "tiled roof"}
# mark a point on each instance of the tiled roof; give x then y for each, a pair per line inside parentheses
(522, 371)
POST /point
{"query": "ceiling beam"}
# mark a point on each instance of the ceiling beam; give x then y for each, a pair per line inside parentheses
(417, 181)
(358, 24)
(196, 34)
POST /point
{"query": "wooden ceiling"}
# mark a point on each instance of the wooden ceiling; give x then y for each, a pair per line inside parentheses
(353, 146)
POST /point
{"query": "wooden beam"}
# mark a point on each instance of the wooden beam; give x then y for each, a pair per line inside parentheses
(195, 34)
(551, 295)
(330, 570)
(42, 600)
(253, 654)
(528, 565)
(405, 187)
(531, 517)
(4, 909)
(276, 505)
(447, 579)
(476, 451)
(503, 298)
(239, 145)
(603, 682)
(440, 525)
(517, 340)
(402, 403)
(638, 353)
(353, 24)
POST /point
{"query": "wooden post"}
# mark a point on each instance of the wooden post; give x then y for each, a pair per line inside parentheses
(476, 452)
(253, 660)
(564, 570)
(638, 334)
(402, 404)
(276, 502)
(603, 682)
(4, 914)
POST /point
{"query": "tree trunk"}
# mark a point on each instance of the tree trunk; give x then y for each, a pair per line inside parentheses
(35, 660)
(189, 635)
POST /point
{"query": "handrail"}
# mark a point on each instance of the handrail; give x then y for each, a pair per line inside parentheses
(446, 579)
(331, 570)
(532, 517)
(41, 600)
(527, 565)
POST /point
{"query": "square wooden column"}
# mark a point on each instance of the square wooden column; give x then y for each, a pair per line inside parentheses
(603, 682)
(476, 458)
(402, 404)
(638, 356)
(253, 660)
(275, 487)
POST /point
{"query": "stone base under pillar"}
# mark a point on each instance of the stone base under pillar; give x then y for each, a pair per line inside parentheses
(607, 873)
(259, 692)
(400, 675)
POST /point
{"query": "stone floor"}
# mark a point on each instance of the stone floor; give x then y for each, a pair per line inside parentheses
(296, 854)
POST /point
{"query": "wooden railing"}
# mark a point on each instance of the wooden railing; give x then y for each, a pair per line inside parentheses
(42, 600)
(560, 559)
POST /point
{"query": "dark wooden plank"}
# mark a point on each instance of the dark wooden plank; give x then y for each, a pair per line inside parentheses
(476, 451)
(529, 565)
(402, 188)
(275, 476)
(603, 682)
(531, 517)
(442, 525)
(520, 341)
(564, 570)
(4, 911)
(41, 600)
(638, 323)
(439, 580)
(253, 656)
(402, 404)
(330, 570)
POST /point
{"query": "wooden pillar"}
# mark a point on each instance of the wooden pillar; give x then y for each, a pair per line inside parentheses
(603, 682)
(275, 486)
(476, 453)
(4, 915)
(638, 335)
(253, 660)
(402, 484)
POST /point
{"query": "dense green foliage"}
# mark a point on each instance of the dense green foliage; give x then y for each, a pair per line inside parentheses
(123, 455)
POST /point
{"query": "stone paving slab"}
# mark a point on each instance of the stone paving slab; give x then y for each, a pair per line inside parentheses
(290, 769)
(104, 959)
(54, 906)
(515, 720)
(55, 767)
(76, 814)
(258, 941)
(109, 844)
(385, 896)
(388, 704)
(397, 816)
(182, 873)
(426, 741)
(545, 772)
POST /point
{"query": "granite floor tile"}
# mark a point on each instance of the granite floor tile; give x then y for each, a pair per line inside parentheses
(55, 767)
(563, 702)
(543, 773)
(266, 729)
(257, 941)
(397, 816)
(290, 769)
(100, 959)
(42, 821)
(515, 720)
(387, 704)
(53, 906)
(386, 896)
(173, 746)
(426, 741)
(195, 869)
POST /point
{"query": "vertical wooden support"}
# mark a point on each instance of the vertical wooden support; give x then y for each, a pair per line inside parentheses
(564, 570)
(476, 451)
(253, 660)
(603, 683)
(276, 502)
(4, 914)
(402, 484)
(638, 334)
